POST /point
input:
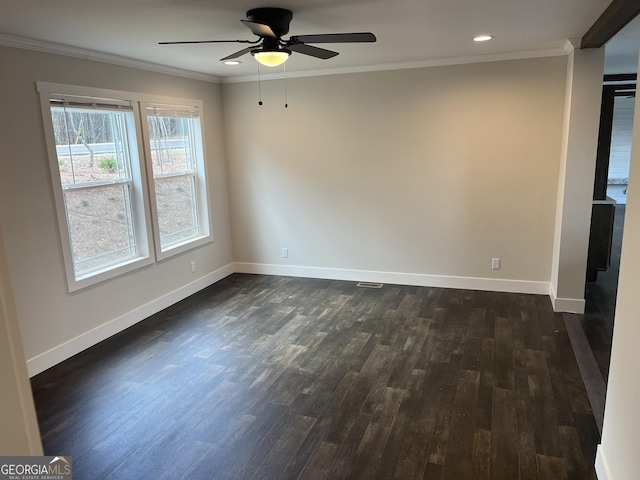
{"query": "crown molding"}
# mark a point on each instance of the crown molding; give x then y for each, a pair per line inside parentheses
(571, 45)
(498, 57)
(69, 51)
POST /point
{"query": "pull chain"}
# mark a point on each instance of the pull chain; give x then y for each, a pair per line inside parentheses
(286, 100)
(259, 86)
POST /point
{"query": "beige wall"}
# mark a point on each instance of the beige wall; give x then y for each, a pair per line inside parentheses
(618, 457)
(428, 171)
(50, 317)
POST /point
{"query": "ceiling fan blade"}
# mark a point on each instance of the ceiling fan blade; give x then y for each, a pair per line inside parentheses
(312, 51)
(237, 54)
(259, 29)
(207, 41)
(335, 38)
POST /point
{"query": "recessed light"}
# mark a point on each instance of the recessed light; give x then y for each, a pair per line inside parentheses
(483, 38)
(232, 62)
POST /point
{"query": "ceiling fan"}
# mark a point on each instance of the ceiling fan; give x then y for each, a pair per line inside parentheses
(270, 49)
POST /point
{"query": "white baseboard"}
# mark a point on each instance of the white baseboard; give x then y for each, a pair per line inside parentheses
(70, 348)
(602, 468)
(85, 340)
(566, 305)
(420, 280)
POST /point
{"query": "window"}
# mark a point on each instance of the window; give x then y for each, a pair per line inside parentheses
(176, 160)
(129, 188)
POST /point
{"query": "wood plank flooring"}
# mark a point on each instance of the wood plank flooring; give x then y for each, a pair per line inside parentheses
(262, 377)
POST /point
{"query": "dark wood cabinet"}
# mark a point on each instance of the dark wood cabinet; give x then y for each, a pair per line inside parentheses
(600, 238)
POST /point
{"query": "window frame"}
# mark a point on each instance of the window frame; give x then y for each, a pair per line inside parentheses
(199, 179)
(142, 191)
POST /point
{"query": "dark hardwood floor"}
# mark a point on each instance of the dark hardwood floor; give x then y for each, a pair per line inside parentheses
(262, 377)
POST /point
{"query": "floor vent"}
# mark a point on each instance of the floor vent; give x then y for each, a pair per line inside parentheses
(369, 285)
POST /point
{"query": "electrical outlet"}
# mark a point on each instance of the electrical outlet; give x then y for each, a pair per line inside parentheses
(193, 266)
(495, 264)
(285, 253)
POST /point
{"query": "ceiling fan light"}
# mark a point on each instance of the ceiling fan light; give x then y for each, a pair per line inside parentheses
(483, 38)
(271, 58)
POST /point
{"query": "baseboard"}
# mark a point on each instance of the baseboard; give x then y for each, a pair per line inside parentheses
(602, 468)
(589, 369)
(74, 346)
(566, 305)
(420, 280)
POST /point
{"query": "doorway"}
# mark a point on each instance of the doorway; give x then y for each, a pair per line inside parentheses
(607, 221)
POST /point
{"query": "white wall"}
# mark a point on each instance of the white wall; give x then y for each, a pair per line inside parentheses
(56, 324)
(620, 154)
(618, 457)
(621, 132)
(577, 172)
(427, 172)
(19, 434)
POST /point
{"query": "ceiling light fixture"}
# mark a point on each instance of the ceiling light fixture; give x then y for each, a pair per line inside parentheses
(232, 62)
(271, 58)
(483, 38)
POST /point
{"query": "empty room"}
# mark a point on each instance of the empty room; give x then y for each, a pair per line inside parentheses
(312, 240)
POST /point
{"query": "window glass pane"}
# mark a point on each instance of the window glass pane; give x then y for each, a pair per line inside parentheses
(100, 226)
(177, 212)
(172, 144)
(91, 145)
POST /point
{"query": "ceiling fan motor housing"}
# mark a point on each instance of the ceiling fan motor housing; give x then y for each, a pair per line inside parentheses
(276, 18)
(270, 45)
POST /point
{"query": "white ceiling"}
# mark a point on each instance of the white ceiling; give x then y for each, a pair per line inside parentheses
(410, 32)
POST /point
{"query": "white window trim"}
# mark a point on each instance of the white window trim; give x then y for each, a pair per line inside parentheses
(143, 197)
